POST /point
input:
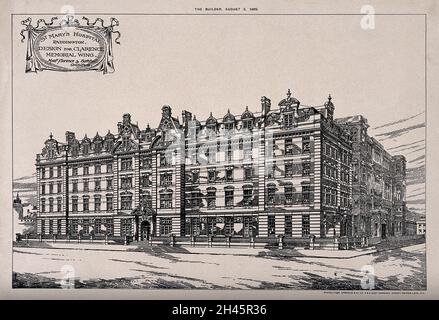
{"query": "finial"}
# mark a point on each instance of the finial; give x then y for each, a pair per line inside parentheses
(246, 108)
(51, 136)
(211, 114)
(329, 97)
(289, 93)
(228, 110)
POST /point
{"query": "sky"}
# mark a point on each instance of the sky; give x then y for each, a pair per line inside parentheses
(212, 63)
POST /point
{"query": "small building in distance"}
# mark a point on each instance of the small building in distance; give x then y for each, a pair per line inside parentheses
(420, 226)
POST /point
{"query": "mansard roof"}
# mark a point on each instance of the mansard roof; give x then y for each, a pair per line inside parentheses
(229, 117)
(109, 136)
(97, 137)
(211, 119)
(288, 101)
(247, 114)
(86, 139)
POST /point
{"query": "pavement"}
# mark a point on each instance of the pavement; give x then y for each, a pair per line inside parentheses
(234, 251)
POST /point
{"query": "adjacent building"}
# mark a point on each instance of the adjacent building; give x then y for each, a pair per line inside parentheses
(378, 184)
(289, 170)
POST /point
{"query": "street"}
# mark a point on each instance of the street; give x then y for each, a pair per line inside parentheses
(396, 269)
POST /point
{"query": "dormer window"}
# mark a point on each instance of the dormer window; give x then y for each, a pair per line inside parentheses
(288, 119)
(229, 126)
(247, 119)
(85, 149)
(247, 124)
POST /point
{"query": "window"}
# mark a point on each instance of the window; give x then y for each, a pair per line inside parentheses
(43, 227)
(109, 183)
(74, 226)
(74, 171)
(288, 194)
(164, 161)
(289, 170)
(43, 189)
(228, 195)
(126, 227)
(146, 199)
(271, 225)
(85, 204)
(229, 151)
(288, 119)
(85, 149)
(97, 168)
(247, 196)
(50, 226)
(247, 124)
(126, 183)
(195, 176)
(74, 204)
(86, 170)
(74, 185)
(97, 203)
(166, 200)
(50, 172)
(270, 169)
(228, 125)
(228, 226)
(109, 167)
(288, 225)
(51, 188)
(58, 187)
(229, 174)
(144, 180)
(98, 184)
(109, 203)
(306, 194)
(43, 205)
(289, 146)
(247, 150)
(211, 197)
(306, 168)
(43, 173)
(126, 201)
(271, 194)
(211, 175)
(305, 225)
(58, 204)
(85, 184)
(327, 195)
(305, 144)
(145, 162)
(50, 204)
(58, 226)
(126, 164)
(333, 197)
(165, 226)
(248, 173)
(165, 179)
